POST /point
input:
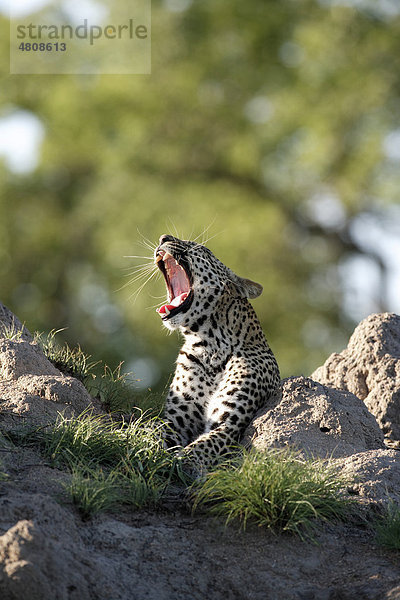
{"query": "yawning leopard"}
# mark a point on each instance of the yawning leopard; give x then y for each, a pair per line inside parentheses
(225, 370)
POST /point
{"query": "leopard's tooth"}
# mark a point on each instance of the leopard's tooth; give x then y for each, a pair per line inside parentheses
(176, 301)
(166, 256)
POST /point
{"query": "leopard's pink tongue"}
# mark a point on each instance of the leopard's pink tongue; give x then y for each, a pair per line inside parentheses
(166, 308)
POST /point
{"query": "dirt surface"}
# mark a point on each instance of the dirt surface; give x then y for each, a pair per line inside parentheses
(47, 552)
(46, 548)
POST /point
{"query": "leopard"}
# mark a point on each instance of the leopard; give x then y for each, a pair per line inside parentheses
(225, 369)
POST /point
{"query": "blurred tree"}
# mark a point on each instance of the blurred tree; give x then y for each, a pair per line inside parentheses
(262, 122)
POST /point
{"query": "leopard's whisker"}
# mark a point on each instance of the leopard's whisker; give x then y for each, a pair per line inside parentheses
(147, 273)
(146, 242)
(134, 256)
(137, 292)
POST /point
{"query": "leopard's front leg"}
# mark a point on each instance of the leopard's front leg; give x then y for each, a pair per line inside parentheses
(185, 409)
(229, 412)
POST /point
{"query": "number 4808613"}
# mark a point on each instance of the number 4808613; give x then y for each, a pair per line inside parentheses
(42, 47)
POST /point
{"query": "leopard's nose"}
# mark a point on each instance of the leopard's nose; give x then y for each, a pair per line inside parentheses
(166, 238)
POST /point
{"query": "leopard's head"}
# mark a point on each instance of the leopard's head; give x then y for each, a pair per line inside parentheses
(196, 282)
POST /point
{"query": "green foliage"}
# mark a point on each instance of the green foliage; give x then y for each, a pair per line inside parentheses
(95, 490)
(138, 490)
(88, 438)
(276, 489)
(110, 386)
(97, 439)
(12, 332)
(387, 527)
(282, 110)
(92, 490)
(71, 361)
(110, 463)
(112, 389)
(115, 464)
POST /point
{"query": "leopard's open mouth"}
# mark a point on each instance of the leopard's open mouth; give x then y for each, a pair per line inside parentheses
(178, 280)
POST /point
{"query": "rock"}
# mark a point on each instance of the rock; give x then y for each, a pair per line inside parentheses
(41, 556)
(11, 325)
(376, 474)
(317, 420)
(370, 368)
(21, 357)
(31, 388)
(49, 554)
(393, 594)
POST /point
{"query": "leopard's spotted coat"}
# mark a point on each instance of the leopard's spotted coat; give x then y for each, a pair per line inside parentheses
(225, 370)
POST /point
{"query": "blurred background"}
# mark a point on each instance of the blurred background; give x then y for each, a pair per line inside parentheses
(271, 128)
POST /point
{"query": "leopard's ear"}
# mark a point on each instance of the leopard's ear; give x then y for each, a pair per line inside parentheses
(251, 289)
(245, 288)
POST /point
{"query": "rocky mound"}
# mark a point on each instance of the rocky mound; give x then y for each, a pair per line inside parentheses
(375, 474)
(317, 420)
(370, 368)
(31, 389)
(48, 553)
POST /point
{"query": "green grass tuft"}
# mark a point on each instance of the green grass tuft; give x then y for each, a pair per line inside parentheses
(137, 490)
(113, 389)
(11, 332)
(97, 439)
(116, 463)
(92, 490)
(71, 361)
(110, 386)
(89, 438)
(96, 490)
(387, 527)
(110, 463)
(275, 489)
